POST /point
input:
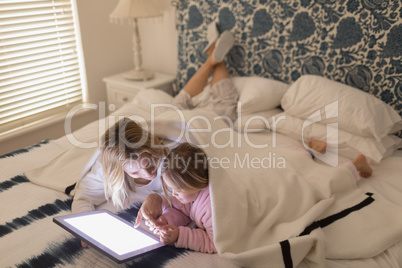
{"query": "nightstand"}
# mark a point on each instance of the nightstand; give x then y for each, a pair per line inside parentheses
(120, 90)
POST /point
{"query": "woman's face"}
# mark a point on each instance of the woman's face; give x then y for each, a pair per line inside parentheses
(144, 167)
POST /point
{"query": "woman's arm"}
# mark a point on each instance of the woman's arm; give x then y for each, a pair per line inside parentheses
(90, 190)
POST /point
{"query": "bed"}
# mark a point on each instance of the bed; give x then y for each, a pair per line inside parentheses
(304, 70)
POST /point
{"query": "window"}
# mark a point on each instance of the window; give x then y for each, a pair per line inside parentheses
(40, 70)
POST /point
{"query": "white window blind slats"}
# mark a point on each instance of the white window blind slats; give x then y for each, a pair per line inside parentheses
(29, 105)
(21, 73)
(39, 63)
(18, 8)
(12, 39)
(38, 108)
(26, 49)
(45, 89)
(32, 61)
(33, 69)
(10, 24)
(23, 105)
(66, 91)
(25, 2)
(19, 29)
(47, 38)
(39, 86)
(39, 89)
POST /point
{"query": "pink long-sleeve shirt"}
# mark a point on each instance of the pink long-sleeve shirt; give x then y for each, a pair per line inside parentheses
(200, 239)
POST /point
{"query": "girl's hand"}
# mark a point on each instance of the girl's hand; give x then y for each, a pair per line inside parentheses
(168, 234)
(151, 209)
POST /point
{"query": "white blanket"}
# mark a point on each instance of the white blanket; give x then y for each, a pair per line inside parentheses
(264, 198)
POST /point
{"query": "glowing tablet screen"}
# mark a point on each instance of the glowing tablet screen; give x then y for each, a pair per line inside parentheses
(109, 233)
(112, 233)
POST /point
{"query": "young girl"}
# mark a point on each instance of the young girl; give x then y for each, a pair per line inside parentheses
(185, 173)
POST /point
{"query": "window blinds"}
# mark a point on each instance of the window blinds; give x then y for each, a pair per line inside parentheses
(39, 61)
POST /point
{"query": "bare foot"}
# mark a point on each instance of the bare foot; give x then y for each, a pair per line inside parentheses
(362, 166)
(318, 146)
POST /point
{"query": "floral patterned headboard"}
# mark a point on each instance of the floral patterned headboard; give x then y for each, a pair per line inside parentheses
(356, 42)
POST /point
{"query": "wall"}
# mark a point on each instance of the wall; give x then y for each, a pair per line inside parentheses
(107, 50)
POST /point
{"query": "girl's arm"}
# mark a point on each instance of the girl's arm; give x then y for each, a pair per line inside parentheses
(196, 239)
(201, 239)
(178, 215)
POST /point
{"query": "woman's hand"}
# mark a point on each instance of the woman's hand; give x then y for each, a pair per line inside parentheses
(155, 226)
(150, 210)
(168, 234)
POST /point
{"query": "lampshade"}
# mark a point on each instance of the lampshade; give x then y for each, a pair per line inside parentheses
(130, 11)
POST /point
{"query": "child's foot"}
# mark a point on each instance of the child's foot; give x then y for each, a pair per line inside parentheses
(362, 166)
(223, 46)
(318, 146)
(212, 35)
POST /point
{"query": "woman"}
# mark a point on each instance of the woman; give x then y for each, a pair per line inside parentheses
(128, 164)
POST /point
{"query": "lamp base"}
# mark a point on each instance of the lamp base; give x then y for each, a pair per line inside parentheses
(138, 75)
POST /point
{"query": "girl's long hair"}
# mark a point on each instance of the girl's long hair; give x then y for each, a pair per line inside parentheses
(124, 141)
(187, 168)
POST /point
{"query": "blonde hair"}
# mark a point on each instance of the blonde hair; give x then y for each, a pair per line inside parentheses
(187, 168)
(124, 141)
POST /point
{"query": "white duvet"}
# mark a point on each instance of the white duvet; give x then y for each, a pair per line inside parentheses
(265, 198)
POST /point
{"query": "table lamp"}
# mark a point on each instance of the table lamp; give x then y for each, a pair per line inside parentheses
(130, 11)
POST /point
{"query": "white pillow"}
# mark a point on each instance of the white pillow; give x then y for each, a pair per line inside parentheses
(255, 122)
(258, 94)
(349, 145)
(146, 97)
(356, 111)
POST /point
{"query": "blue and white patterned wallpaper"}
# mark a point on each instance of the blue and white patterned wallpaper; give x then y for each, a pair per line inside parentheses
(357, 42)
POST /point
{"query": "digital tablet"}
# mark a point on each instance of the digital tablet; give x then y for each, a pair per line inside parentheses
(110, 234)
